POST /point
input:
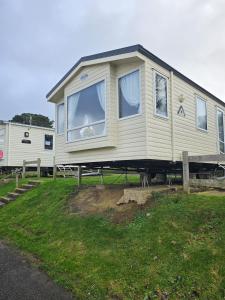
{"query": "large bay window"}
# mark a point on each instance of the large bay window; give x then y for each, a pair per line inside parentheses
(220, 126)
(129, 95)
(161, 97)
(86, 113)
(60, 118)
(201, 113)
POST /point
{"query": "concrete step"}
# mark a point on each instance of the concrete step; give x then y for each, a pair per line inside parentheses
(5, 200)
(27, 186)
(2, 203)
(20, 190)
(13, 195)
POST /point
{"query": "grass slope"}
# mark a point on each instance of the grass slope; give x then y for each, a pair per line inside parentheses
(175, 249)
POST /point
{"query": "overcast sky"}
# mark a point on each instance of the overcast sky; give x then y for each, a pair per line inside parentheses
(41, 39)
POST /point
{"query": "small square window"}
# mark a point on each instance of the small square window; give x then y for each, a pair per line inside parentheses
(48, 142)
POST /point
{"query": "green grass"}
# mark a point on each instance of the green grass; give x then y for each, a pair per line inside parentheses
(7, 187)
(10, 186)
(176, 248)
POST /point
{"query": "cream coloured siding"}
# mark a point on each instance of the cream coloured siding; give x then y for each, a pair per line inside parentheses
(158, 128)
(125, 139)
(187, 137)
(144, 136)
(16, 151)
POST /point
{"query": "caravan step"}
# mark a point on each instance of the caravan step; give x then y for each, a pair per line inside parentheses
(13, 195)
(2, 203)
(20, 190)
(5, 200)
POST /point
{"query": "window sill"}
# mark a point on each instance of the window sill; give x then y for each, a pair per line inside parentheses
(202, 130)
(130, 117)
(161, 117)
(86, 139)
(97, 142)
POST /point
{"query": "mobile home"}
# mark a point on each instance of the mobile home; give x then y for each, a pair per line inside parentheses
(20, 142)
(128, 108)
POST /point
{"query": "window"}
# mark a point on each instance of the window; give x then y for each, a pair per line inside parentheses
(86, 113)
(2, 136)
(201, 113)
(129, 95)
(220, 126)
(48, 142)
(60, 118)
(161, 97)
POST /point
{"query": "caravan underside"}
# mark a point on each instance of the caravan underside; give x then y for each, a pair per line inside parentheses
(150, 166)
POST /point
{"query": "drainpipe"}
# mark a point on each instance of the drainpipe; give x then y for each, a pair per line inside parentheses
(172, 117)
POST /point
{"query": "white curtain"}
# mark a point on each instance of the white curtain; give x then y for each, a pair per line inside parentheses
(72, 108)
(86, 131)
(101, 94)
(130, 88)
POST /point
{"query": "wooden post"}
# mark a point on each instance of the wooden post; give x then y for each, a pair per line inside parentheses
(54, 169)
(126, 179)
(185, 172)
(38, 167)
(24, 169)
(17, 180)
(101, 177)
(79, 175)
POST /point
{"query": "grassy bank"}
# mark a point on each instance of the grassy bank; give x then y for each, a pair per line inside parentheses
(175, 248)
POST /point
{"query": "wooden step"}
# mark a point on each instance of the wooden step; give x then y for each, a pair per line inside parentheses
(27, 186)
(20, 190)
(13, 195)
(5, 200)
(34, 182)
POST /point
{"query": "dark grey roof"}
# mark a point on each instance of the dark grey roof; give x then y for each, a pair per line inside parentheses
(145, 52)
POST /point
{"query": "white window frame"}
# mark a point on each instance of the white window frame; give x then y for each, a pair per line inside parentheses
(56, 117)
(218, 137)
(118, 96)
(94, 123)
(154, 95)
(197, 97)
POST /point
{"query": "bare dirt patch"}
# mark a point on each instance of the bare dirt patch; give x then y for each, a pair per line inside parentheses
(89, 201)
(5, 181)
(213, 192)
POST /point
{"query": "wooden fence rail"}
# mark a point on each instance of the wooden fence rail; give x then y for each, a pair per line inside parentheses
(214, 158)
(32, 162)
